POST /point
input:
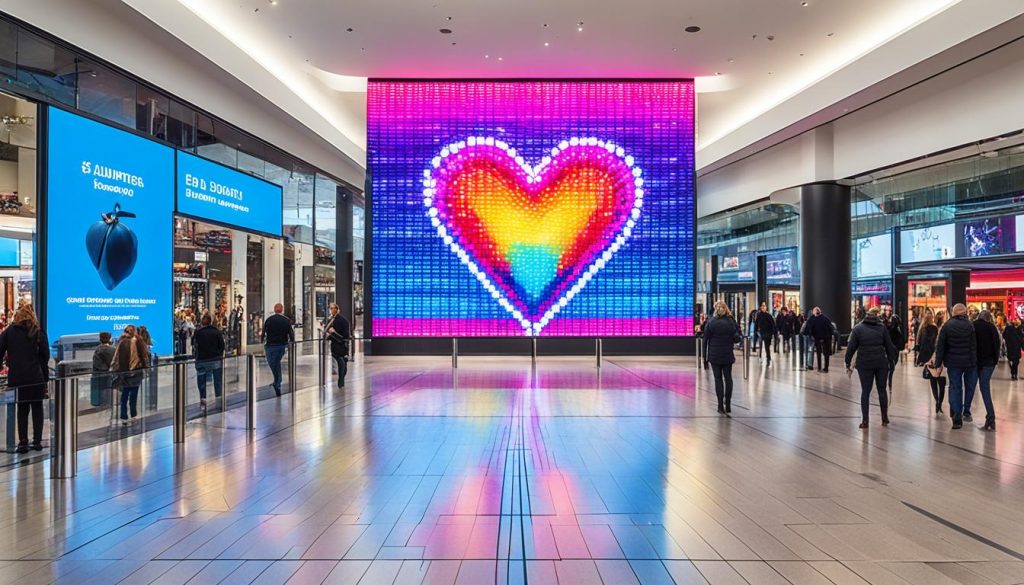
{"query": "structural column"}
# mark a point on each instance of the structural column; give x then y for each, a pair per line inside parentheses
(344, 260)
(825, 262)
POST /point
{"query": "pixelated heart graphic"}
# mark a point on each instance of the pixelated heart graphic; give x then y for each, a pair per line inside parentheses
(533, 236)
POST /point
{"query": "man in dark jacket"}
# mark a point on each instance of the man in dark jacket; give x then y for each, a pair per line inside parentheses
(209, 350)
(765, 325)
(988, 343)
(786, 323)
(277, 334)
(895, 327)
(819, 327)
(957, 350)
(877, 352)
(1014, 338)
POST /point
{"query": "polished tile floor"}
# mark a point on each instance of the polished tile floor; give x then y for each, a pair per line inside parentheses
(503, 475)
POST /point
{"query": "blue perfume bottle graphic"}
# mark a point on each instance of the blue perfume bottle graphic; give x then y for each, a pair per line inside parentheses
(113, 247)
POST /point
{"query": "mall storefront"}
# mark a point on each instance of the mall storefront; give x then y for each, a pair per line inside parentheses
(96, 165)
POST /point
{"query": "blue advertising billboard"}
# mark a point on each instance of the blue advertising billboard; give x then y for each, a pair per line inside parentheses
(207, 190)
(109, 206)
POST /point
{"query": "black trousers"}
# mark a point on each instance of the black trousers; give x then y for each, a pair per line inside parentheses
(877, 377)
(892, 370)
(938, 389)
(1013, 367)
(823, 348)
(342, 361)
(36, 408)
(723, 383)
(767, 347)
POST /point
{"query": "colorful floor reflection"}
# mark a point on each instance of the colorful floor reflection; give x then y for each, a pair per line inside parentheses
(499, 474)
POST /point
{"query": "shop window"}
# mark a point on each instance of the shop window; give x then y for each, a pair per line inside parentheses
(253, 165)
(106, 93)
(181, 125)
(207, 144)
(47, 69)
(151, 112)
(8, 52)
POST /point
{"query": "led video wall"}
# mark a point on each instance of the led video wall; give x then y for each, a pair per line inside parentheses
(550, 208)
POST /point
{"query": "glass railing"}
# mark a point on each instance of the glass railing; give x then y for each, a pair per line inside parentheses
(35, 411)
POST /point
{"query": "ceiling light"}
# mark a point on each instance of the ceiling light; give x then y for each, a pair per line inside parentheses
(273, 2)
(718, 72)
(579, 26)
(487, 56)
(448, 18)
(349, 29)
(501, 58)
(830, 34)
(732, 60)
(692, 29)
(446, 31)
(804, 4)
(547, 44)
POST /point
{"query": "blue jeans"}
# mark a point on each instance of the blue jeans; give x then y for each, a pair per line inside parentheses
(808, 351)
(959, 379)
(984, 378)
(275, 353)
(129, 395)
(212, 368)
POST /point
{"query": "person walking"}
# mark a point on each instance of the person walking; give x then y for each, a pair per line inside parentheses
(786, 323)
(276, 335)
(339, 332)
(99, 383)
(765, 325)
(1013, 337)
(131, 358)
(927, 338)
(870, 338)
(820, 329)
(721, 335)
(956, 350)
(25, 347)
(807, 342)
(988, 344)
(899, 339)
(209, 354)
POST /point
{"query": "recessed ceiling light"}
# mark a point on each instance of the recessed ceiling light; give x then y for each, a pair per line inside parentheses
(692, 29)
(545, 25)
(830, 34)
(501, 58)
(273, 2)
(349, 29)
(446, 31)
(804, 4)
(547, 44)
(732, 60)
(718, 72)
(770, 37)
(801, 54)
(487, 56)
(448, 18)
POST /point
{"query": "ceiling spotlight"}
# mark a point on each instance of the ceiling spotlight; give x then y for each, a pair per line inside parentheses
(579, 26)
(770, 37)
(273, 2)
(501, 58)
(547, 44)
(545, 25)
(732, 60)
(349, 29)
(487, 56)
(446, 31)
(804, 4)
(448, 18)
(718, 72)
(692, 29)
(830, 34)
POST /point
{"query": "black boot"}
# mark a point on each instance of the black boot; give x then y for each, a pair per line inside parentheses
(990, 424)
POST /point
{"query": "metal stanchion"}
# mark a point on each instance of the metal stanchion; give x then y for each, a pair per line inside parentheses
(322, 371)
(746, 358)
(224, 391)
(180, 375)
(598, 351)
(533, 352)
(700, 352)
(292, 378)
(455, 353)
(250, 391)
(64, 450)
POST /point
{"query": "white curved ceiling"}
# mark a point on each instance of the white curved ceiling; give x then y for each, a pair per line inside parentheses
(749, 57)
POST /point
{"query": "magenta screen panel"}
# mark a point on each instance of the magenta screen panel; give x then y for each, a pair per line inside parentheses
(531, 208)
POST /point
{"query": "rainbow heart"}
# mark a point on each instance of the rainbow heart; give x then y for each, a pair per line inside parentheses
(533, 236)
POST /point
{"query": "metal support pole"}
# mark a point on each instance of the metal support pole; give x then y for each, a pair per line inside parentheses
(746, 358)
(224, 392)
(700, 352)
(455, 353)
(250, 392)
(598, 350)
(180, 375)
(64, 450)
(533, 352)
(292, 378)
(322, 371)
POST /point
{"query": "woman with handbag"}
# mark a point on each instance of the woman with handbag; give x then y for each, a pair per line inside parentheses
(927, 336)
(339, 332)
(27, 351)
(131, 358)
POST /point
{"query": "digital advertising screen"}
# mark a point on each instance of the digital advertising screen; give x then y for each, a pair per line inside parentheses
(536, 208)
(782, 266)
(872, 256)
(937, 242)
(737, 268)
(208, 190)
(110, 204)
(991, 236)
(10, 252)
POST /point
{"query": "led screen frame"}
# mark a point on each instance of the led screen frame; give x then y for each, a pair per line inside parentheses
(627, 277)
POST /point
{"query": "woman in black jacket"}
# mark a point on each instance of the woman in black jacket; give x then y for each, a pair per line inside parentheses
(877, 353)
(721, 334)
(1014, 339)
(927, 336)
(27, 351)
